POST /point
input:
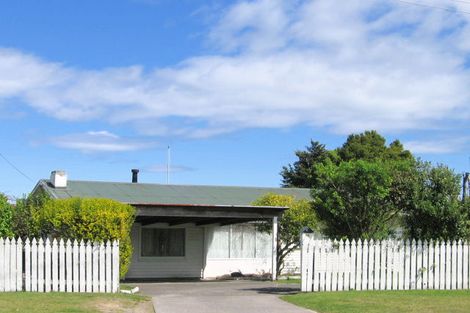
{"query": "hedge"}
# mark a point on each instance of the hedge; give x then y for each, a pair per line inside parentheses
(90, 219)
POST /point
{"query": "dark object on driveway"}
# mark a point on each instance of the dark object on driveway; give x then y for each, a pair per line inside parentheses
(236, 274)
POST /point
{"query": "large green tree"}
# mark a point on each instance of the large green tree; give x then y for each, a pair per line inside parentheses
(356, 199)
(435, 210)
(371, 146)
(303, 173)
(294, 219)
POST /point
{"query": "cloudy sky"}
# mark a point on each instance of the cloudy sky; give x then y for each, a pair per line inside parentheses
(99, 87)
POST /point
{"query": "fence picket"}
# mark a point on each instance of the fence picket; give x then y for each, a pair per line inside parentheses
(341, 262)
(61, 266)
(367, 250)
(95, 274)
(34, 265)
(102, 278)
(41, 265)
(419, 264)
(19, 265)
(453, 276)
(75, 267)
(27, 265)
(55, 266)
(82, 259)
(89, 286)
(12, 277)
(352, 277)
(459, 265)
(347, 264)
(383, 258)
(407, 265)
(465, 265)
(47, 262)
(115, 266)
(413, 265)
(389, 265)
(7, 265)
(2, 264)
(109, 260)
(359, 265)
(376, 265)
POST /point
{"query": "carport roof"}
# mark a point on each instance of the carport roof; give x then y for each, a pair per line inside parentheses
(151, 194)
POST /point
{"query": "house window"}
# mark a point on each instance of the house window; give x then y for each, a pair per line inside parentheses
(160, 242)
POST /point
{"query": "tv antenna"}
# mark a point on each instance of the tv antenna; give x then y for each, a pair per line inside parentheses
(168, 165)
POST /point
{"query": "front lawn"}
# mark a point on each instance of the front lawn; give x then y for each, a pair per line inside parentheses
(73, 302)
(413, 301)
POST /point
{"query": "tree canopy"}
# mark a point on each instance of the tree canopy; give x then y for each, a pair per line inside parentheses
(298, 216)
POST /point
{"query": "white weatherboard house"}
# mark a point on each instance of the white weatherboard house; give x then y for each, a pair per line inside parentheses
(188, 231)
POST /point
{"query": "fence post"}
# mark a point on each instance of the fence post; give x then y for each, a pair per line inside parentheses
(303, 262)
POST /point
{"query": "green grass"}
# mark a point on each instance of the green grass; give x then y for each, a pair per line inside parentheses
(289, 281)
(72, 302)
(412, 301)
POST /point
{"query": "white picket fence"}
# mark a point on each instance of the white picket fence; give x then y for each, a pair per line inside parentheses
(45, 266)
(330, 265)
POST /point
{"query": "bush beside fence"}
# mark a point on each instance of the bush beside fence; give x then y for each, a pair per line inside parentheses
(65, 266)
(330, 265)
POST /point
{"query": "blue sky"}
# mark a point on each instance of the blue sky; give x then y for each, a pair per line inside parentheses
(99, 87)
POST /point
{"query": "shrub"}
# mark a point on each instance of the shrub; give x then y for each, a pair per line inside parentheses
(22, 222)
(88, 219)
(6, 213)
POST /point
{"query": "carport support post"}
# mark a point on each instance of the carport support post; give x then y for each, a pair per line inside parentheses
(274, 250)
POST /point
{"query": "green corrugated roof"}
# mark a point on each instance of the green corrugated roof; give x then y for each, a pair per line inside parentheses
(168, 194)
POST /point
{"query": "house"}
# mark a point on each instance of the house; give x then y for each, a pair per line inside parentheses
(187, 230)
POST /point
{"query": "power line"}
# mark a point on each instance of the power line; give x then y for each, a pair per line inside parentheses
(16, 168)
(425, 5)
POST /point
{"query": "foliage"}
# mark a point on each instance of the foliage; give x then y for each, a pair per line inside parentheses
(355, 199)
(291, 223)
(22, 223)
(303, 172)
(370, 146)
(6, 215)
(436, 211)
(88, 219)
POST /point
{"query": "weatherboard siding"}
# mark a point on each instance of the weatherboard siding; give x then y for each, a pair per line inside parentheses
(168, 267)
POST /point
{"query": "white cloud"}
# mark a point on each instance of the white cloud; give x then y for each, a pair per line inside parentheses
(99, 141)
(438, 146)
(341, 65)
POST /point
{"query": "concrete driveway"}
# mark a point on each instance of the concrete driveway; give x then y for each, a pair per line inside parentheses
(221, 297)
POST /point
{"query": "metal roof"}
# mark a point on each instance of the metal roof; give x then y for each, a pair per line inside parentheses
(141, 193)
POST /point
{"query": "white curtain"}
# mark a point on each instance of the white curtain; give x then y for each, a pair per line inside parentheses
(218, 242)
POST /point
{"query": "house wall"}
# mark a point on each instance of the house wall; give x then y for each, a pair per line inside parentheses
(165, 267)
(237, 248)
(292, 263)
(210, 252)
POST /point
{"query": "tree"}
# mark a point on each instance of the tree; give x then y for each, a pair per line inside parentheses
(303, 172)
(22, 222)
(370, 146)
(354, 199)
(6, 214)
(435, 211)
(298, 215)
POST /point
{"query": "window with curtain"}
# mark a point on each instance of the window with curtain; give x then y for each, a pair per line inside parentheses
(159, 242)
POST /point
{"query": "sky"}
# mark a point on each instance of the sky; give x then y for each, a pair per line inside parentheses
(96, 88)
